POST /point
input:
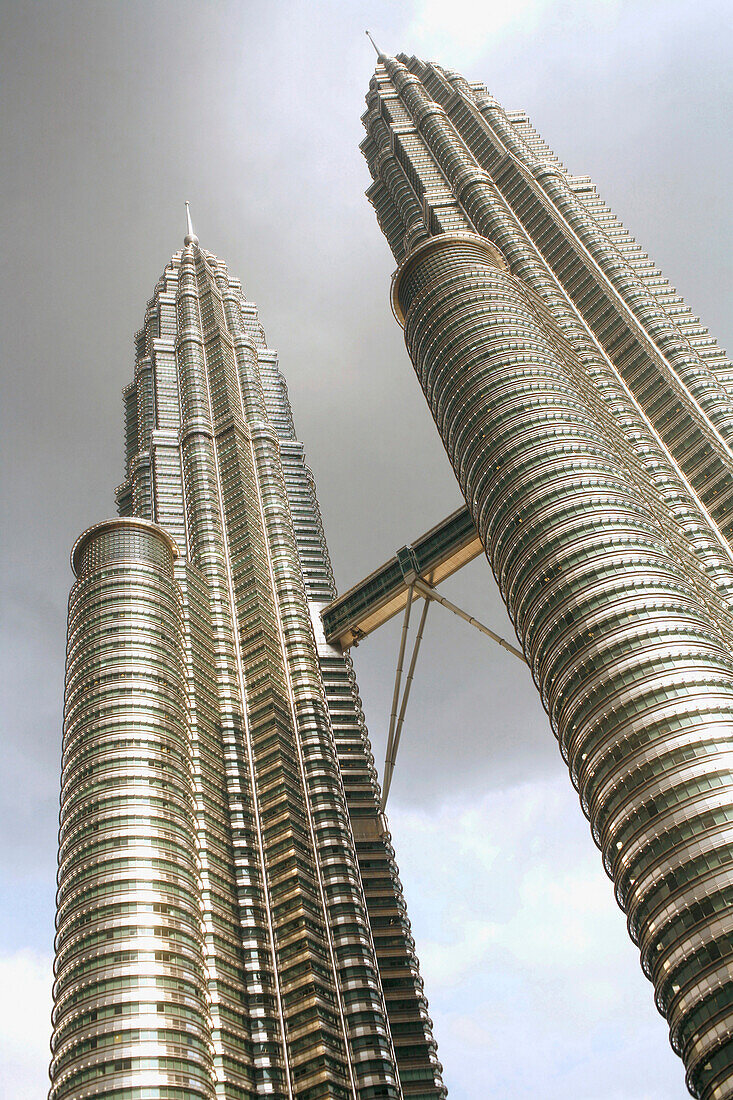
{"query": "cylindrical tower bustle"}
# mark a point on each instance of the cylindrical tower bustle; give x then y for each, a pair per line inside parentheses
(130, 1016)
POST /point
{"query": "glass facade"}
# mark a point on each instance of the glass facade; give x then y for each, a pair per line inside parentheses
(230, 917)
(587, 417)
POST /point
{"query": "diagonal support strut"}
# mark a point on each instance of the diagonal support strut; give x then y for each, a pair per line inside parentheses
(399, 706)
(398, 676)
(393, 741)
(430, 593)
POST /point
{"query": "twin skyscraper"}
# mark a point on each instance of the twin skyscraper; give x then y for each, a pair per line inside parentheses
(231, 922)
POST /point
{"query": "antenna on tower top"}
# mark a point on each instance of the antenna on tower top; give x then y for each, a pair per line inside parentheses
(377, 50)
(190, 237)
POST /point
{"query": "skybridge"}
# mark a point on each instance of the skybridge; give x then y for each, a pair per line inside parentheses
(436, 555)
(412, 574)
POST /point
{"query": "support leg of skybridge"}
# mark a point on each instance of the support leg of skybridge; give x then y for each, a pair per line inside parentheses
(430, 593)
(413, 573)
(417, 585)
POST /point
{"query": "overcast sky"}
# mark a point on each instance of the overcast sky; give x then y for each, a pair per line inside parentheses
(113, 113)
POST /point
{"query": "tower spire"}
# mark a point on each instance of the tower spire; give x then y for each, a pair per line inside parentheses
(377, 50)
(190, 237)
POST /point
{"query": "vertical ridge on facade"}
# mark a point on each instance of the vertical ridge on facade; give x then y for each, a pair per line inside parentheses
(587, 417)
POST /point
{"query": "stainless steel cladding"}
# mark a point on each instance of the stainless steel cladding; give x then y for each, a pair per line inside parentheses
(130, 993)
(587, 419)
(240, 807)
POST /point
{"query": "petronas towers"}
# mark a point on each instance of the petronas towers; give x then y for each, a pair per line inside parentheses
(230, 919)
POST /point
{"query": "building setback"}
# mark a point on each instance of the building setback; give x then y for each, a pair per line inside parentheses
(588, 418)
(230, 919)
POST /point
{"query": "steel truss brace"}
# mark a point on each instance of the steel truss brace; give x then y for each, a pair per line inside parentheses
(399, 707)
(396, 721)
(431, 593)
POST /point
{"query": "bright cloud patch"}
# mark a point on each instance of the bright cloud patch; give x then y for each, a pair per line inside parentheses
(529, 945)
(25, 1025)
(459, 32)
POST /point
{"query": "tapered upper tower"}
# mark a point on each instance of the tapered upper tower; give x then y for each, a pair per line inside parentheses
(230, 919)
(588, 417)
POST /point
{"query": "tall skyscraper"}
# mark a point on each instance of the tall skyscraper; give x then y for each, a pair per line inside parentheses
(230, 919)
(589, 421)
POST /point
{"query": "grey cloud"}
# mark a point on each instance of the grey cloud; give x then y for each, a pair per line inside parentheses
(114, 114)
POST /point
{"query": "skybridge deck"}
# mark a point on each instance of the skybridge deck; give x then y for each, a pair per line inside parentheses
(437, 554)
